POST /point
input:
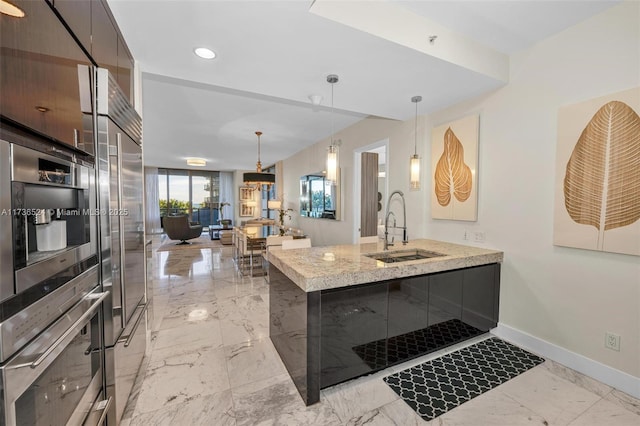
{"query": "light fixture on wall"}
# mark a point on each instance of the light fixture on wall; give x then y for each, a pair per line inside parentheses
(414, 162)
(198, 162)
(332, 154)
(258, 178)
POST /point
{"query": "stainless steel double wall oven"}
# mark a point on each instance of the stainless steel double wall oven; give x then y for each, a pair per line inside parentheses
(51, 363)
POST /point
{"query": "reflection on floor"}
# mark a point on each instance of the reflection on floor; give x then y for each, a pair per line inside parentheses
(212, 363)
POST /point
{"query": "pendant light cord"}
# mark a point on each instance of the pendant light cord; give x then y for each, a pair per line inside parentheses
(415, 135)
(332, 114)
(415, 100)
(333, 79)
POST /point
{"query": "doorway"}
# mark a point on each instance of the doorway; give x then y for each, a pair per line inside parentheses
(382, 149)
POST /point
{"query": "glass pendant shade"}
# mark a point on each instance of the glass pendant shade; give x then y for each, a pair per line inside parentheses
(414, 160)
(7, 8)
(414, 168)
(332, 164)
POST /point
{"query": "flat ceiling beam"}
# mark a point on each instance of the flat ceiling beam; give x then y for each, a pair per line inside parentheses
(394, 23)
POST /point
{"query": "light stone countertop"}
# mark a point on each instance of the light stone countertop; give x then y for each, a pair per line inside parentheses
(315, 268)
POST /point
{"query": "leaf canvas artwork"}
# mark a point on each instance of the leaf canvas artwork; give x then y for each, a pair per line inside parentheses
(598, 175)
(454, 156)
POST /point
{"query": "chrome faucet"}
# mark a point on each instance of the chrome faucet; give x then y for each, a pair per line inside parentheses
(388, 213)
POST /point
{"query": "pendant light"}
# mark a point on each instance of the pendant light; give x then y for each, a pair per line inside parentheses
(258, 178)
(332, 154)
(414, 162)
(10, 9)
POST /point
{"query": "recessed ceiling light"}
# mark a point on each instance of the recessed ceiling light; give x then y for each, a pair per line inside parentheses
(199, 162)
(10, 9)
(204, 53)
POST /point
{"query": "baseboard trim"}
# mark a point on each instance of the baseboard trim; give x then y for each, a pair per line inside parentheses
(605, 374)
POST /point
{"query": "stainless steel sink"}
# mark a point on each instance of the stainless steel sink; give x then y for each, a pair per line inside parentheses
(404, 255)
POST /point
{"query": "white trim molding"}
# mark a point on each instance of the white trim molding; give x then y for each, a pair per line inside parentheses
(605, 374)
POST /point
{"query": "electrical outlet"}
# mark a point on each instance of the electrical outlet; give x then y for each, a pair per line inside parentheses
(478, 236)
(466, 235)
(612, 341)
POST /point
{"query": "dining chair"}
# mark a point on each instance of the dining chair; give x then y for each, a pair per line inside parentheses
(250, 251)
(273, 242)
(371, 239)
(297, 243)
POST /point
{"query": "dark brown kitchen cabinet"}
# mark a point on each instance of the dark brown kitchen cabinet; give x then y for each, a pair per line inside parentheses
(104, 46)
(93, 24)
(44, 76)
(77, 15)
(125, 70)
(109, 49)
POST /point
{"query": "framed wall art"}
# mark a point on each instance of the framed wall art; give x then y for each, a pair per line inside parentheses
(246, 193)
(246, 210)
(454, 157)
(597, 184)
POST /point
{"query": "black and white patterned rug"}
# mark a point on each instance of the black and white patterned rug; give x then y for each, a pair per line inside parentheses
(437, 386)
(385, 352)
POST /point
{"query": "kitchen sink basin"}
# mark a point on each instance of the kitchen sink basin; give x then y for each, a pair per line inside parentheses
(404, 255)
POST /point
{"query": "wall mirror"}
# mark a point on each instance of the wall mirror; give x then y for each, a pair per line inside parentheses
(319, 198)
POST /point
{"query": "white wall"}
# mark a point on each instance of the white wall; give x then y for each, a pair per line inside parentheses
(365, 132)
(567, 297)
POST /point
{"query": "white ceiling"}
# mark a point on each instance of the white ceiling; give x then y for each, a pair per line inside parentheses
(273, 54)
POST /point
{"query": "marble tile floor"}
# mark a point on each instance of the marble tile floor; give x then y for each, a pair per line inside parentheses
(211, 363)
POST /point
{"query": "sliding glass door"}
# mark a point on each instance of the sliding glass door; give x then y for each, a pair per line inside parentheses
(191, 192)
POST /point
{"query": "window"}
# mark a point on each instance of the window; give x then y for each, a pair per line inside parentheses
(191, 192)
(268, 194)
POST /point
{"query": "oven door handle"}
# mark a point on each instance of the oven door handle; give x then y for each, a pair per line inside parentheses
(99, 298)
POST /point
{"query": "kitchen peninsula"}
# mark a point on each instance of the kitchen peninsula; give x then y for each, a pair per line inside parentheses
(339, 312)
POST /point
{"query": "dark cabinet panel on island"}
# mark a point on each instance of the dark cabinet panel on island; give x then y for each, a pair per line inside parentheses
(408, 305)
(407, 330)
(353, 332)
(294, 329)
(357, 330)
(445, 297)
(481, 287)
